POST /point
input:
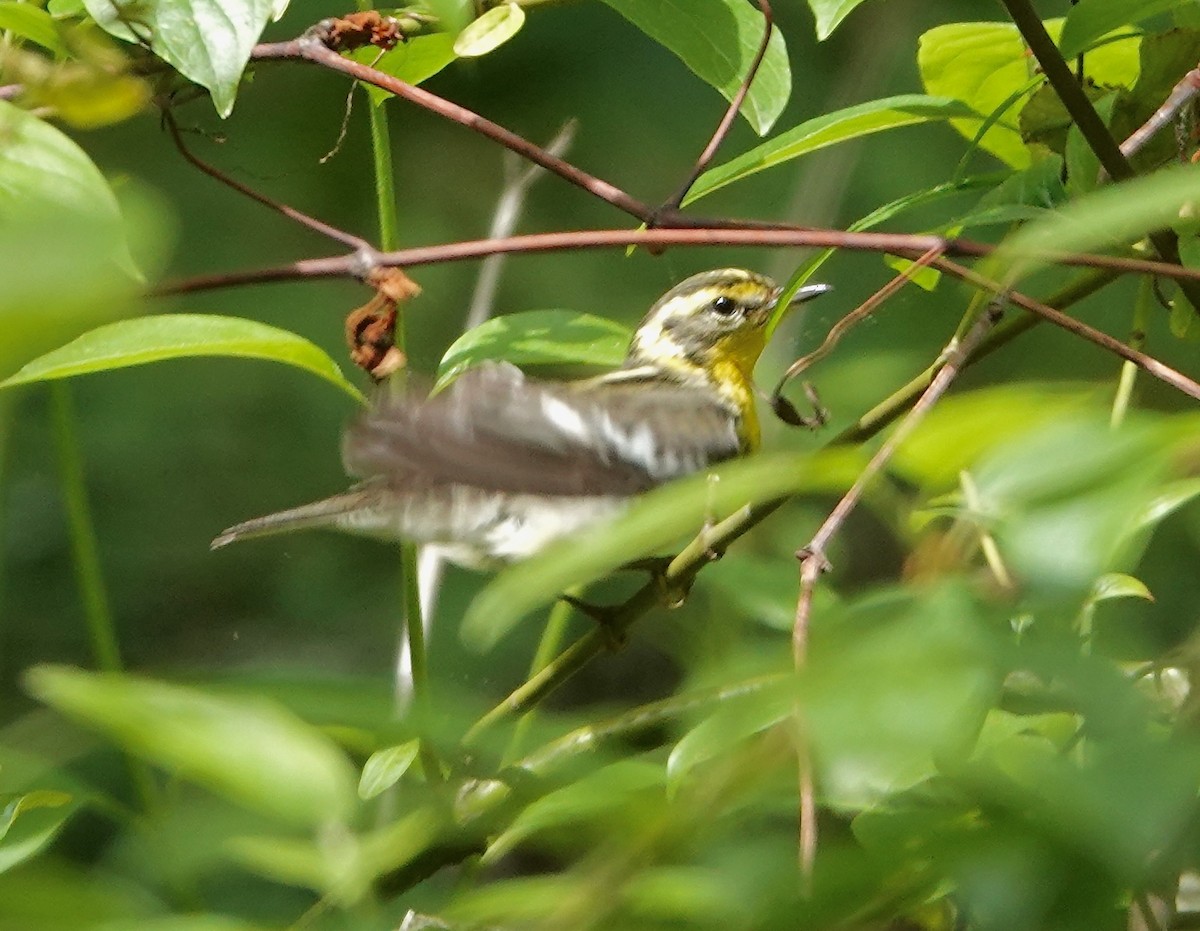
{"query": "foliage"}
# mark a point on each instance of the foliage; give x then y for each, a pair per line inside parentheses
(994, 694)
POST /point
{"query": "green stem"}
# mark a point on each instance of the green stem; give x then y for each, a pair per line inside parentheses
(86, 555)
(1137, 339)
(88, 574)
(549, 644)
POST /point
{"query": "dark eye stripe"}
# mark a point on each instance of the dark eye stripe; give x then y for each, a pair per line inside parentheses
(724, 305)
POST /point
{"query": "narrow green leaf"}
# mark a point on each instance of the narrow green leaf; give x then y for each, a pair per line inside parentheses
(538, 337)
(180, 336)
(249, 750)
(1089, 20)
(863, 119)
(491, 30)
(830, 13)
(742, 716)
(32, 23)
(717, 40)
(384, 768)
(1116, 215)
(652, 524)
(208, 41)
(1119, 585)
(30, 822)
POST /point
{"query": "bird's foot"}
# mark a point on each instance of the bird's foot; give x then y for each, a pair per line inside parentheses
(672, 593)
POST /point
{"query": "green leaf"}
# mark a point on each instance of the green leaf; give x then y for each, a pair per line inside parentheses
(208, 41)
(538, 337)
(32, 23)
(246, 749)
(30, 822)
(1119, 585)
(717, 40)
(738, 718)
(830, 13)
(385, 767)
(1090, 20)
(863, 119)
(180, 336)
(652, 524)
(178, 923)
(490, 31)
(413, 61)
(1116, 215)
(64, 258)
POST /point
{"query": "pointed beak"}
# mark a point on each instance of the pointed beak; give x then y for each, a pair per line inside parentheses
(802, 296)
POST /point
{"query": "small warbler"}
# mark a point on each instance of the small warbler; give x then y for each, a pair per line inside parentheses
(498, 465)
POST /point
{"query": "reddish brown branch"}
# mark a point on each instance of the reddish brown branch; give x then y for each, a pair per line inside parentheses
(906, 245)
(731, 112)
(311, 49)
(312, 223)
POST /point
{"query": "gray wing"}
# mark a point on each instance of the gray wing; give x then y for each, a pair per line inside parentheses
(497, 430)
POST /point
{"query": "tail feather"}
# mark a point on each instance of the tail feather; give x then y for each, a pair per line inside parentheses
(323, 513)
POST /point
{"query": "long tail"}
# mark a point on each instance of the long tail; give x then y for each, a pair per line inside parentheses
(323, 513)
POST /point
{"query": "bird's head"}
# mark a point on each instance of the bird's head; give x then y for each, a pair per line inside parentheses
(717, 316)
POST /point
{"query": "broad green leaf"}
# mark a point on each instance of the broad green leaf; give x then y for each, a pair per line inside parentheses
(737, 719)
(491, 30)
(830, 13)
(247, 749)
(413, 61)
(862, 119)
(896, 683)
(1089, 20)
(179, 336)
(33, 23)
(30, 822)
(208, 41)
(651, 525)
(385, 767)
(64, 259)
(538, 337)
(1116, 215)
(987, 66)
(717, 40)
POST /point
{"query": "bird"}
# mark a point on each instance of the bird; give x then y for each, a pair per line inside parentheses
(499, 465)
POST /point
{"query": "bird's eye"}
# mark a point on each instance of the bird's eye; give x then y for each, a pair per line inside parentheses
(724, 305)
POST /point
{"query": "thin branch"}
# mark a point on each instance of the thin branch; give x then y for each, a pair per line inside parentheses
(311, 49)
(731, 112)
(1180, 96)
(813, 561)
(906, 245)
(312, 223)
(1092, 127)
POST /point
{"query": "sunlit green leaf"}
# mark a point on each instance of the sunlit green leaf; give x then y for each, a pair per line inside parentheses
(33, 23)
(830, 13)
(538, 337)
(717, 40)
(1089, 20)
(247, 749)
(29, 822)
(491, 30)
(1119, 585)
(179, 336)
(853, 122)
(385, 767)
(413, 61)
(209, 41)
